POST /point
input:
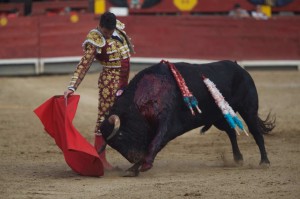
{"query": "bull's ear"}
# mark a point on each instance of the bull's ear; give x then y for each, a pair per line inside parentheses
(115, 120)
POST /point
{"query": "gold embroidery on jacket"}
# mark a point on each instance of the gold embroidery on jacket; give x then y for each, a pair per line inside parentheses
(95, 38)
(83, 66)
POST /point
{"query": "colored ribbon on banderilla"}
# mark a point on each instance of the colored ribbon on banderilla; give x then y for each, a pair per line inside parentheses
(226, 109)
(188, 97)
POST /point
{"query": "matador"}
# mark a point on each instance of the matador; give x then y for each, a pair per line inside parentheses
(110, 45)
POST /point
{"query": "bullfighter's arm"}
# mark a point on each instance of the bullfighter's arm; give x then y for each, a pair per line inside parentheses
(83, 67)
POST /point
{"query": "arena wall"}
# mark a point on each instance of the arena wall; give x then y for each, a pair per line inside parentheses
(183, 37)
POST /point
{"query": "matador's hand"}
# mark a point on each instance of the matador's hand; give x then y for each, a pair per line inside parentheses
(67, 93)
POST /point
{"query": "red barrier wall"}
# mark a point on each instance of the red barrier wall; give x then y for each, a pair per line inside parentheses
(216, 37)
(196, 37)
(19, 38)
(60, 37)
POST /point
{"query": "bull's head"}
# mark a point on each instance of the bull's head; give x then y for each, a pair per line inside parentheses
(124, 137)
(130, 125)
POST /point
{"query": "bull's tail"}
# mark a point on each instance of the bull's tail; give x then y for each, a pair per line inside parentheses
(267, 125)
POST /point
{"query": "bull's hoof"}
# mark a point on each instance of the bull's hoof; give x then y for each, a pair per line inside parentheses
(131, 173)
(146, 167)
(264, 163)
(238, 158)
(239, 162)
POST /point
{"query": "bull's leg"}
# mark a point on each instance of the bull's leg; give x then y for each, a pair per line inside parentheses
(155, 146)
(251, 120)
(133, 171)
(224, 126)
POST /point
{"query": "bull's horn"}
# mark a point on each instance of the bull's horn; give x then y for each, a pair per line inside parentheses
(115, 120)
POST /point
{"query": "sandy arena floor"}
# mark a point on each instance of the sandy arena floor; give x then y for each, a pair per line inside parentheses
(191, 166)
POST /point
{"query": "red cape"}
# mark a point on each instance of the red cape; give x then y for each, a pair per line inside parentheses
(57, 119)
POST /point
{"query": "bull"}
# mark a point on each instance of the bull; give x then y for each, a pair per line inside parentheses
(151, 111)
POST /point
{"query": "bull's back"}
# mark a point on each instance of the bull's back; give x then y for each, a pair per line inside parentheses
(231, 80)
(221, 72)
(158, 94)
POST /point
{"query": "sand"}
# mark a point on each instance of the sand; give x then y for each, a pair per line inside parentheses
(191, 166)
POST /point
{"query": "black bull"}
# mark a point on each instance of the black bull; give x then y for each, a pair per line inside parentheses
(151, 111)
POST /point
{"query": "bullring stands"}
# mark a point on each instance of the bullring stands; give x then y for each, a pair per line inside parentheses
(56, 7)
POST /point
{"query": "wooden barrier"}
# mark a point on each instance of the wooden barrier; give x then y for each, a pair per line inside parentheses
(184, 37)
(20, 38)
(158, 36)
(215, 37)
